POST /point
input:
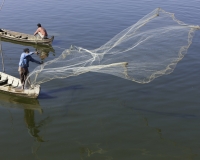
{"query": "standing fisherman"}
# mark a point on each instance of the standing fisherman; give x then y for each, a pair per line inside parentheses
(24, 64)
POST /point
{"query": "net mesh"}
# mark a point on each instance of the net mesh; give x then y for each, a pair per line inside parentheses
(144, 51)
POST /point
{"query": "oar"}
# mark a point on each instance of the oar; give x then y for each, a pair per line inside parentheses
(0, 41)
(2, 55)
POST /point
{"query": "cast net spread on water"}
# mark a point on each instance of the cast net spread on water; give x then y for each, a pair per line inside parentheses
(146, 50)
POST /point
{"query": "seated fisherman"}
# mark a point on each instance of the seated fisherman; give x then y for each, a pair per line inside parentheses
(41, 31)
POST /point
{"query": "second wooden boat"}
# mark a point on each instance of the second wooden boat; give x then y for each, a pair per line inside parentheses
(23, 37)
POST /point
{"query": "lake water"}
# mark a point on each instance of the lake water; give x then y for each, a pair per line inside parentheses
(96, 116)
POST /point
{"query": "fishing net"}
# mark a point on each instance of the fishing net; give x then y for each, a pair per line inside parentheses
(146, 50)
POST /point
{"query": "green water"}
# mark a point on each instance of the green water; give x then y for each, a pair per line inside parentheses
(98, 116)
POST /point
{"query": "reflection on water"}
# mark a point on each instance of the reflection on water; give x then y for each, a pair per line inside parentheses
(29, 106)
(12, 101)
(89, 150)
(43, 54)
(33, 129)
(43, 50)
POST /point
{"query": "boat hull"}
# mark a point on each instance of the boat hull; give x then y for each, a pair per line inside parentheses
(26, 38)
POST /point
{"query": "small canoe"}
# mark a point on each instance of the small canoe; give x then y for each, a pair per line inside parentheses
(23, 37)
(12, 85)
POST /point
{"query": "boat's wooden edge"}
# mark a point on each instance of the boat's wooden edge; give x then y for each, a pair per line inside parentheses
(20, 94)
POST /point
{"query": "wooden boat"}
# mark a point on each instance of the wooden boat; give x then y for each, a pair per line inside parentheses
(23, 37)
(12, 85)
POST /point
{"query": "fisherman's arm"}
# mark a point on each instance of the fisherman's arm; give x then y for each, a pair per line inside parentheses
(33, 60)
(38, 30)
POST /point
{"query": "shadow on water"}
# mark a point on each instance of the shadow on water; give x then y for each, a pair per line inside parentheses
(47, 95)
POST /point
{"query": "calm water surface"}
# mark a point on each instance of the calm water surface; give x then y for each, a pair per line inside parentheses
(97, 116)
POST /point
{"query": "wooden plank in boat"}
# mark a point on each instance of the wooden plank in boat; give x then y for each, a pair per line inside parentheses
(19, 89)
(4, 77)
(10, 80)
(15, 82)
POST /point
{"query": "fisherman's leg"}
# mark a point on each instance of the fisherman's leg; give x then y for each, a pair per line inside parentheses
(22, 77)
(42, 36)
(25, 77)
